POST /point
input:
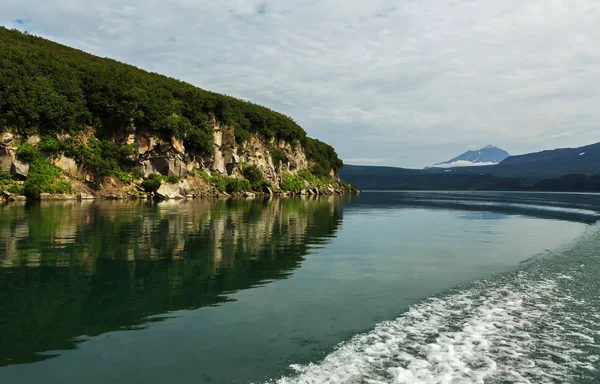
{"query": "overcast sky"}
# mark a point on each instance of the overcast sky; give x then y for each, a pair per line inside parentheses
(404, 83)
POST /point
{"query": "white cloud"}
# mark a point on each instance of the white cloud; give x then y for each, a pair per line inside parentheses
(405, 82)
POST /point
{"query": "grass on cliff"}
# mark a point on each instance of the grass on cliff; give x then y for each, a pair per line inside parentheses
(5, 178)
(256, 178)
(42, 176)
(101, 157)
(227, 184)
(291, 183)
(154, 181)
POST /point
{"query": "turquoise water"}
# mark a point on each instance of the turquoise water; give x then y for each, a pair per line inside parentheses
(417, 287)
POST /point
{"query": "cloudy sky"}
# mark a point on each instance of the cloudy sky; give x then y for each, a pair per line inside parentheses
(404, 83)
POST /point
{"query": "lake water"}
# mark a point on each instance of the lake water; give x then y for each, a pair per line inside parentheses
(390, 287)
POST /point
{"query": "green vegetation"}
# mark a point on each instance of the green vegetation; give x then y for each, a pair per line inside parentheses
(350, 187)
(42, 174)
(205, 175)
(5, 177)
(291, 183)
(27, 153)
(256, 179)
(15, 189)
(322, 156)
(41, 179)
(236, 185)
(278, 155)
(48, 88)
(136, 173)
(152, 183)
(219, 182)
(102, 157)
(314, 180)
(228, 184)
(173, 179)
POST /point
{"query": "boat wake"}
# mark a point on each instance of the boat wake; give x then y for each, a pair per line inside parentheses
(537, 325)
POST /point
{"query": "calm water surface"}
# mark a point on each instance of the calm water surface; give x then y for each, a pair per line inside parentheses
(417, 288)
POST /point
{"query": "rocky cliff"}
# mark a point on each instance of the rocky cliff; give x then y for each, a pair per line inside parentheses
(183, 173)
(71, 122)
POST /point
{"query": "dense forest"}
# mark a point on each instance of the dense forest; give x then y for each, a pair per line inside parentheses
(47, 88)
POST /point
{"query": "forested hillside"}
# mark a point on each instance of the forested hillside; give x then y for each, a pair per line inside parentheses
(57, 92)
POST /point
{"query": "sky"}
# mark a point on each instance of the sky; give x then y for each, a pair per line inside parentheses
(403, 83)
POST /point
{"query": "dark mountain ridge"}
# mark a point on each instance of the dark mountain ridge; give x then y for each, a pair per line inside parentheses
(564, 169)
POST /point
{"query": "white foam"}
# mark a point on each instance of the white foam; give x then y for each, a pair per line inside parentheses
(536, 207)
(500, 331)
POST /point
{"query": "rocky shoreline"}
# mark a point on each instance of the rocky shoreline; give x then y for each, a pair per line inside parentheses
(7, 197)
(279, 169)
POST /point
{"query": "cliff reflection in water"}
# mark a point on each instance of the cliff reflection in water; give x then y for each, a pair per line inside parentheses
(70, 270)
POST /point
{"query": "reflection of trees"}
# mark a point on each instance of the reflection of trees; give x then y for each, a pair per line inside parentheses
(73, 269)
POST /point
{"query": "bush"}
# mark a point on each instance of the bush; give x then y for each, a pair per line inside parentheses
(237, 185)
(41, 173)
(27, 153)
(136, 173)
(41, 179)
(291, 183)
(173, 179)
(278, 155)
(314, 180)
(50, 146)
(322, 156)
(60, 186)
(219, 182)
(129, 150)
(15, 190)
(152, 183)
(5, 177)
(198, 140)
(241, 136)
(205, 176)
(256, 178)
(123, 176)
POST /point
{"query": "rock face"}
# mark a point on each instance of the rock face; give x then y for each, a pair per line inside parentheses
(34, 140)
(8, 150)
(19, 170)
(170, 158)
(6, 159)
(228, 156)
(6, 138)
(168, 191)
(66, 164)
(165, 166)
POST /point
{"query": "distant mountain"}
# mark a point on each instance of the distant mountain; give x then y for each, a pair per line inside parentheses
(544, 170)
(488, 155)
(548, 164)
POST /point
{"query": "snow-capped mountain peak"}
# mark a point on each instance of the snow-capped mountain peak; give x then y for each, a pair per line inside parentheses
(488, 155)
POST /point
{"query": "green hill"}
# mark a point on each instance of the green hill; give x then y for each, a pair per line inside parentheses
(51, 90)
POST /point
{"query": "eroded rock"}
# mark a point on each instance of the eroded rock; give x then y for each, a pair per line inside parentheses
(6, 160)
(7, 138)
(168, 191)
(34, 140)
(19, 170)
(177, 144)
(66, 164)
